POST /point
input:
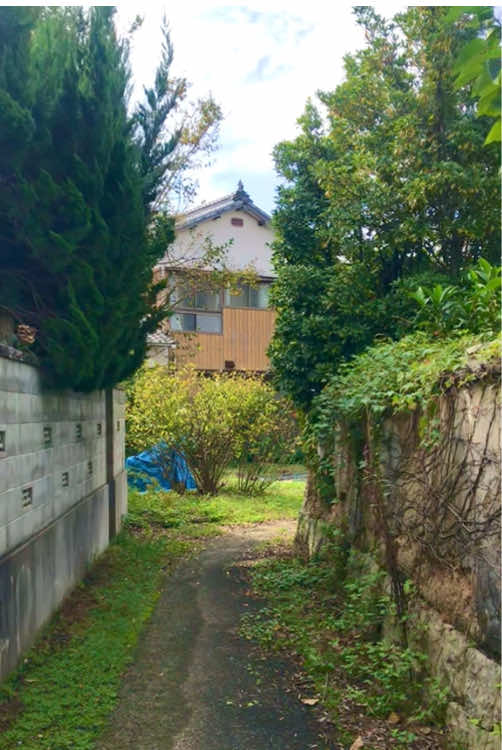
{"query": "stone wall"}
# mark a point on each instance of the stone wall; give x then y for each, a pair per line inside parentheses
(63, 493)
(456, 614)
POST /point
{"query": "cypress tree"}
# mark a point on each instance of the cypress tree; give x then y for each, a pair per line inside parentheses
(79, 179)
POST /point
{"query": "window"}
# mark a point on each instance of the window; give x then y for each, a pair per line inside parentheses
(187, 299)
(196, 311)
(237, 222)
(196, 322)
(248, 296)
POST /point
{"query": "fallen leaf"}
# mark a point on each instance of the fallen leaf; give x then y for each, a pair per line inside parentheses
(393, 718)
(309, 701)
(357, 744)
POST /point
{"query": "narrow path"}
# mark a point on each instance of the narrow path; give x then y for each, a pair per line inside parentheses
(195, 684)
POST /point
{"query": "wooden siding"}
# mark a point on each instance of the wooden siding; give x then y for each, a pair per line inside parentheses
(244, 341)
(246, 336)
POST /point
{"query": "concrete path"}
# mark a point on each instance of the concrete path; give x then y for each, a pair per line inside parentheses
(195, 684)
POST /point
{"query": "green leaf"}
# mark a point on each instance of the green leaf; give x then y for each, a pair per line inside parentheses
(489, 104)
(494, 135)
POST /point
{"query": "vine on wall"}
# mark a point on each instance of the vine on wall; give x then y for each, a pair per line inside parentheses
(432, 484)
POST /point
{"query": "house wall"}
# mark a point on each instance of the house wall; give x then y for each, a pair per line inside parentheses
(63, 493)
(245, 338)
(250, 244)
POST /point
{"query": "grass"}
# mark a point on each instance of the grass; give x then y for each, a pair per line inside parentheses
(332, 625)
(62, 693)
(169, 510)
(67, 684)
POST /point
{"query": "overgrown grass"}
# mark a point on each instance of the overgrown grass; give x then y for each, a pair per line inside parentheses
(202, 515)
(333, 624)
(66, 687)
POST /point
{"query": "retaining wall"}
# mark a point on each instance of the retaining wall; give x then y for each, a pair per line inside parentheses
(455, 619)
(63, 492)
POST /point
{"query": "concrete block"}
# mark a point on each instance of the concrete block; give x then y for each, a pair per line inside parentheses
(63, 457)
(10, 375)
(31, 436)
(8, 406)
(26, 408)
(7, 473)
(12, 439)
(3, 540)
(74, 408)
(10, 501)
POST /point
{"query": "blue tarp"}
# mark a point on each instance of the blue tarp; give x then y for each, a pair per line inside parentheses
(145, 471)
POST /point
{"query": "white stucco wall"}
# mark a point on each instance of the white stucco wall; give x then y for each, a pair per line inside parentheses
(251, 242)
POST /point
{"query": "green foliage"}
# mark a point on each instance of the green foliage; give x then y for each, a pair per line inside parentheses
(193, 516)
(67, 686)
(80, 180)
(336, 632)
(68, 683)
(266, 434)
(388, 378)
(479, 64)
(387, 179)
(214, 421)
(472, 306)
(397, 376)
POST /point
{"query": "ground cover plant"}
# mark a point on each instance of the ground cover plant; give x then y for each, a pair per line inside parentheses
(189, 513)
(332, 624)
(67, 685)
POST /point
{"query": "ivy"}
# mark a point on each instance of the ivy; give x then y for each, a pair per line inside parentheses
(394, 377)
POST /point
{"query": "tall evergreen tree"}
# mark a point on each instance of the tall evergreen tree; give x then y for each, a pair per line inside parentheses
(78, 240)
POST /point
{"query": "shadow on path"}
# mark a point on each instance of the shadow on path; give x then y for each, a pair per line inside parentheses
(195, 684)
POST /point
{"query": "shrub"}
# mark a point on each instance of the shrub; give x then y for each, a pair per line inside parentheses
(266, 433)
(473, 305)
(213, 421)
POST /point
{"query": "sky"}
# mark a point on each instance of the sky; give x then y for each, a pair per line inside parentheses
(260, 62)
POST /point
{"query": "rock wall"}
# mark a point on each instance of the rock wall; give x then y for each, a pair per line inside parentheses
(63, 492)
(441, 508)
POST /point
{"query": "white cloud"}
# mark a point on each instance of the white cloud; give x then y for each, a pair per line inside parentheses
(261, 62)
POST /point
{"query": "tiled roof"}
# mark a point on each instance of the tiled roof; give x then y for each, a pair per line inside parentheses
(239, 200)
(159, 338)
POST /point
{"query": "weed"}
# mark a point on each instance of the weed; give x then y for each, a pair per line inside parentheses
(63, 692)
(334, 626)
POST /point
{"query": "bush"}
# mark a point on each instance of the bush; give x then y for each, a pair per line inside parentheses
(213, 421)
(473, 305)
(266, 434)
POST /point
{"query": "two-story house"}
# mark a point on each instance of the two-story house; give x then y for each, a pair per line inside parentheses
(220, 329)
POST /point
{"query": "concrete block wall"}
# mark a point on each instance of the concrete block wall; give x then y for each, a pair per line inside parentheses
(56, 481)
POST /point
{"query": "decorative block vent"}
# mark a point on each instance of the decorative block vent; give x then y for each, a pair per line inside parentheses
(237, 222)
(89, 468)
(27, 495)
(65, 479)
(47, 434)
(2, 441)
(78, 431)
(99, 428)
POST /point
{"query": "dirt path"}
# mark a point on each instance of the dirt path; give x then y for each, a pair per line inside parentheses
(195, 684)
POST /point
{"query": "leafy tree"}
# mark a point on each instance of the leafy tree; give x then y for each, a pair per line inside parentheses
(479, 63)
(213, 421)
(393, 181)
(79, 188)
